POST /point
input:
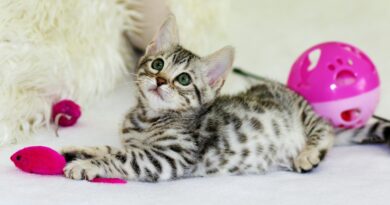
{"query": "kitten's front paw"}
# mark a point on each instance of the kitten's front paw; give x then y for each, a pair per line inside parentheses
(82, 169)
(307, 160)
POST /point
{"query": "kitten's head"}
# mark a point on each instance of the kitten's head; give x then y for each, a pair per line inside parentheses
(173, 78)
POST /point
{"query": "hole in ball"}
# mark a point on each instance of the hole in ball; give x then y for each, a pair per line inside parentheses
(350, 115)
(345, 77)
(314, 57)
(347, 47)
(331, 67)
(350, 62)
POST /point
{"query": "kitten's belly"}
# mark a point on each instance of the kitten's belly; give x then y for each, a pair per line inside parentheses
(253, 151)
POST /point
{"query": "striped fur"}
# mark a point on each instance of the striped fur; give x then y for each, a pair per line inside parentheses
(374, 132)
(180, 130)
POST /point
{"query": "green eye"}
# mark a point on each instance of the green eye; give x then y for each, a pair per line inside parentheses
(184, 79)
(158, 64)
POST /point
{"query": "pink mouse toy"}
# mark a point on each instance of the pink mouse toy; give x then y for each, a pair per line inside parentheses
(46, 161)
(339, 81)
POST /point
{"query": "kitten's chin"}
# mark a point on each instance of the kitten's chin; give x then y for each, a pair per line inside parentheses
(156, 93)
(159, 102)
(156, 100)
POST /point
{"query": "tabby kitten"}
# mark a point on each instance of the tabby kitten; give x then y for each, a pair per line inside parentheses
(181, 127)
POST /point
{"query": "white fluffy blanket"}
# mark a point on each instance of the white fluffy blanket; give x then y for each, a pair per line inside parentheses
(56, 49)
(51, 50)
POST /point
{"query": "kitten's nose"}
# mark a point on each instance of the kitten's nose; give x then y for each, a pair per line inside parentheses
(160, 81)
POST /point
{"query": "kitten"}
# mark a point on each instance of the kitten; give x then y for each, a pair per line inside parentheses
(181, 127)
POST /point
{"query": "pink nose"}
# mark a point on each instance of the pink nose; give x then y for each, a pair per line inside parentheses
(160, 81)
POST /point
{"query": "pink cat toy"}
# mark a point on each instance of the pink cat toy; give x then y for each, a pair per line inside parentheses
(45, 161)
(339, 81)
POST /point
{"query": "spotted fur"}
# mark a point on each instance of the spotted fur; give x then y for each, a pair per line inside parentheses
(177, 131)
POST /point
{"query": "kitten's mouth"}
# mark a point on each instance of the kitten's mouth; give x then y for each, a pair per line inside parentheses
(156, 92)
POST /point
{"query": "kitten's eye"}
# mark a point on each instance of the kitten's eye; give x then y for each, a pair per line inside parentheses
(184, 79)
(158, 64)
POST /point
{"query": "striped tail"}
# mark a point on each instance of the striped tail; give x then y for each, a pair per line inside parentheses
(376, 131)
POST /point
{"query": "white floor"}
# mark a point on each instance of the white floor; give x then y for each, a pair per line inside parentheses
(268, 36)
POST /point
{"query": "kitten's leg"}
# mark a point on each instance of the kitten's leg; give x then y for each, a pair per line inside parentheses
(372, 133)
(102, 166)
(319, 139)
(146, 163)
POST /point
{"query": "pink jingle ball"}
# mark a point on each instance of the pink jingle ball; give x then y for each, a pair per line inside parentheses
(339, 81)
(67, 111)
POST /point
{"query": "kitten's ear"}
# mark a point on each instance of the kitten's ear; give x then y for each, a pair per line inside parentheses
(218, 66)
(166, 37)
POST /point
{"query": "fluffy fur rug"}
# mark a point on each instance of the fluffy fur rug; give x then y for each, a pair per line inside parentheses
(56, 49)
